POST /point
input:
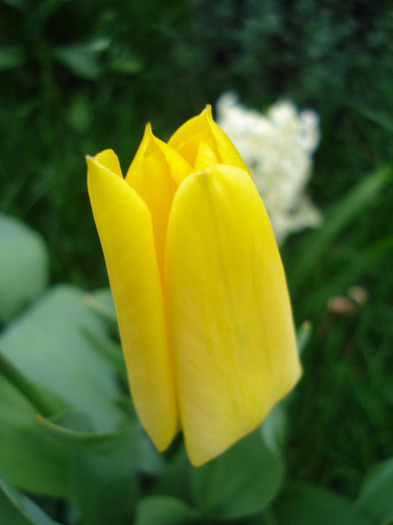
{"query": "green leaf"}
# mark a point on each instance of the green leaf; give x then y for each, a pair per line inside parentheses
(28, 457)
(381, 118)
(24, 266)
(306, 504)
(105, 478)
(240, 482)
(174, 478)
(104, 469)
(73, 429)
(44, 401)
(84, 65)
(109, 350)
(303, 335)
(82, 59)
(101, 302)
(339, 218)
(165, 511)
(48, 346)
(83, 439)
(17, 509)
(365, 260)
(275, 429)
(150, 461)
(375, 497)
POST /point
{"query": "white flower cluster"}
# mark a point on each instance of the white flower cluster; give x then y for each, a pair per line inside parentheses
(277, 149)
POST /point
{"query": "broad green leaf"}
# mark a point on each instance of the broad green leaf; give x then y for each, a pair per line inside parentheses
(150, 461)
(306, 504)
(376, 494)
(109, 350)
(266, 517)
(105, 479)
(174, 480)
(104, 468)
(28, 457)
(165, 511)
(24, 265)
(48, 345)
(73, 429)
(242, 481)
(17, 509)
(44, 401)
(79, 439)
(101, 301)
(101, 460)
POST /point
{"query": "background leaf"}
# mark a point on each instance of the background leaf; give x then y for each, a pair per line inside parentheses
(24, 266)
(165, 511)
(105, 479)
(48, 345)
(83, 59)
(29, 458)
(376, 494)
(17, 509)
(345, 211)
(240, 482)
(306, 504)
(105, 468)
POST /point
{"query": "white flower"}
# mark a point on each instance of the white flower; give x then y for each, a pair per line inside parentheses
(277, 148)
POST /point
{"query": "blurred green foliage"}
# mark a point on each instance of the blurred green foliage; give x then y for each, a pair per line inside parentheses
(76, 77)
(79, 76)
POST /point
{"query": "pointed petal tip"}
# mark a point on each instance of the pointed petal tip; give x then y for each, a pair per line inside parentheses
(148, 139)
(90, 160)
(107, 151)
(208, 111)
(148, 128)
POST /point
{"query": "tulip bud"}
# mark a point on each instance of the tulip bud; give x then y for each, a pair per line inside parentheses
(199, 288)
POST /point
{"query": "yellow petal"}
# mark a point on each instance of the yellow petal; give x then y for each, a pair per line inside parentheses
(155, 174)
(178, 167)
(229, 313)
(109, 159)
(125, 229)
(206, 156)
(187, 138)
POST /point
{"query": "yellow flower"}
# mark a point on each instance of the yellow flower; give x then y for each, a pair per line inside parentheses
(199, 288)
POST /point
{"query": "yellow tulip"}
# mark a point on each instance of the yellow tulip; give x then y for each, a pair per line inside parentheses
(199, 288)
